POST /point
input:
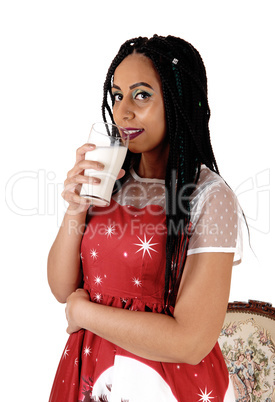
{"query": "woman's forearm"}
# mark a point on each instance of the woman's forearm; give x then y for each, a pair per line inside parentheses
(187, 337)
(135, 331)
(64, 272)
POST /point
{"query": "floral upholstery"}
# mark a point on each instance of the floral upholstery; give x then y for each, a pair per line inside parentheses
(247, 341)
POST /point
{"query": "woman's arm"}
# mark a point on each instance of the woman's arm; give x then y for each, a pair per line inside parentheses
(64, 273)
(187, 337)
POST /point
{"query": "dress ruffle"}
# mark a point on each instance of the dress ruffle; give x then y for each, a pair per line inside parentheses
(128, 303)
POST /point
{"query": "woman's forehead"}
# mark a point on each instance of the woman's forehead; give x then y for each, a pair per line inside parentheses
(136, 68)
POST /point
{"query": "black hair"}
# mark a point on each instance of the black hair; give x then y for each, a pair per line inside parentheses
(184, 86)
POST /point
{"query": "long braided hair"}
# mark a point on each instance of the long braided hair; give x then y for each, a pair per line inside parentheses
(184, 86)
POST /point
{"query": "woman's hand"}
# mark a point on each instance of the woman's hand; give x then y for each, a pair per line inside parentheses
(75, 179)
(75, 303)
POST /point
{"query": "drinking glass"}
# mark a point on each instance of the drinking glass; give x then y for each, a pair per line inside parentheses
(111, 147)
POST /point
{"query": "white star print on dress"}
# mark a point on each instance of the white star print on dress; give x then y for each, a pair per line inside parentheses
(94, 254)
(98, 280)
(137, 282)
(145, 245)
(66, 353)
(87, 351)
(98, 297)
(110, 230)
(205, 397)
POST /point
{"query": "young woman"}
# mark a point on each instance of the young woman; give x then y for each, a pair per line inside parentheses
(147, 282)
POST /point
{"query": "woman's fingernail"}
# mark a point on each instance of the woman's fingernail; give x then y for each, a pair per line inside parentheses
(100, 166)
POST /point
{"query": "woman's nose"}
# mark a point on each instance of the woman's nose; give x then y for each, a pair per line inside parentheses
(126, 110)
(128, 115)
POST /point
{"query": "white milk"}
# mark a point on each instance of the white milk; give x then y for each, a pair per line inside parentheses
(112, 158)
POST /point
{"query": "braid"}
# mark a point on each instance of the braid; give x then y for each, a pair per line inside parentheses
(184, 86)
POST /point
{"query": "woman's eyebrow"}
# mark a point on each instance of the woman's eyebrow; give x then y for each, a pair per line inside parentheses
(138, 84)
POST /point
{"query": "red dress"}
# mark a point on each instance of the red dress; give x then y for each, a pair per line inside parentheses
(123, 258)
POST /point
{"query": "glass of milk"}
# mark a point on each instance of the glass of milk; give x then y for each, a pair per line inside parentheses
(111, 149)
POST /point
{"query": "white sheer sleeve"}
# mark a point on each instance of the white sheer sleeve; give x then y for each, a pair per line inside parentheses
(216, 218)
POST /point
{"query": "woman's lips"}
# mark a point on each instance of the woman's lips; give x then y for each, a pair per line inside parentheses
(131, 132)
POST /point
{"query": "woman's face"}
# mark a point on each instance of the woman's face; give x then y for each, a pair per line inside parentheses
(241, 358)
(138, 103)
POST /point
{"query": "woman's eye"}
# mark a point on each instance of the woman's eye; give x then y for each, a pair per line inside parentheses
(142, 95)
(117, 97)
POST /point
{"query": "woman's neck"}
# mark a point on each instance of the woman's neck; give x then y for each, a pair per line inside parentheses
(153, 166)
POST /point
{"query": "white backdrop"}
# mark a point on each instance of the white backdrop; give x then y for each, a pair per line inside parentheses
(54, 56)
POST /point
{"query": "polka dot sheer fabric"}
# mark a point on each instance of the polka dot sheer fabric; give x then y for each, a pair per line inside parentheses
(216, 215)
(139, 192)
